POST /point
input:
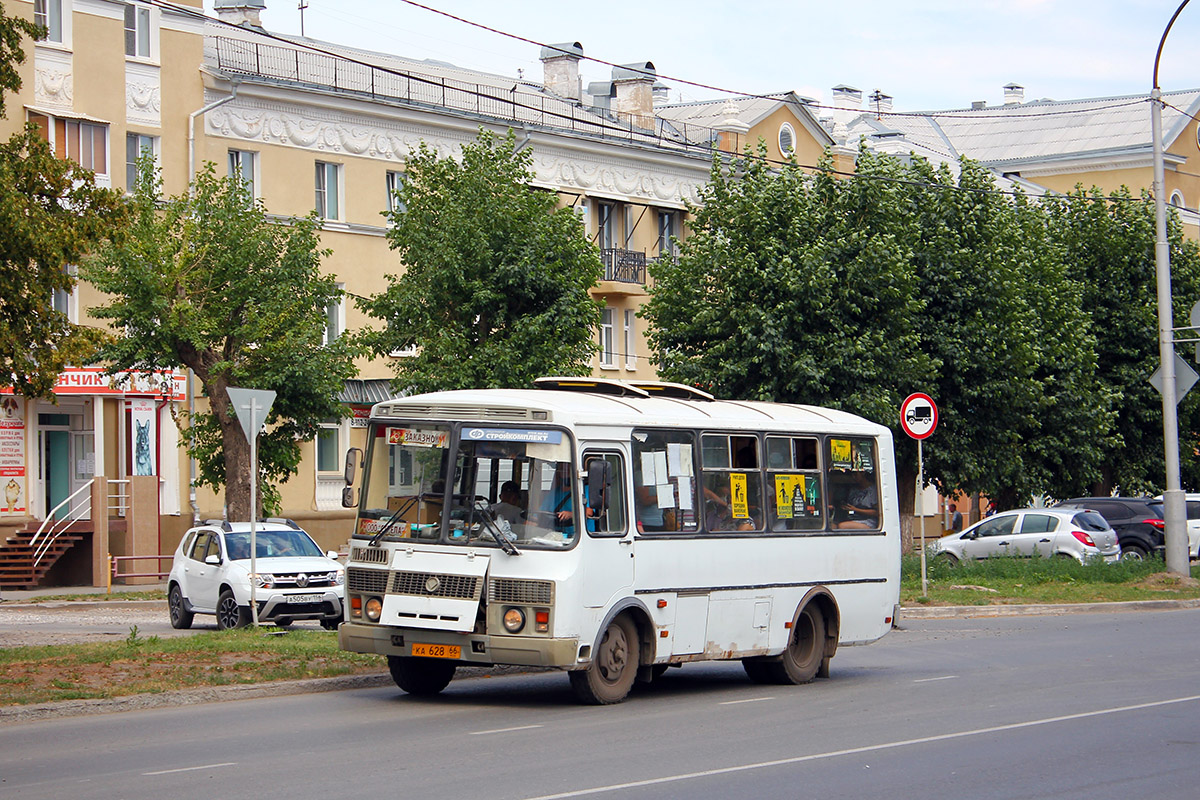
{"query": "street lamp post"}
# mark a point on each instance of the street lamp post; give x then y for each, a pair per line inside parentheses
(1175, 515)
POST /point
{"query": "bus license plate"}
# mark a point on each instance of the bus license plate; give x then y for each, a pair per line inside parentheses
(436, 650)
(304, 598)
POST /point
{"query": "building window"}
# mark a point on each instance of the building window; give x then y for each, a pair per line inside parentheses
(136, 146)
(137, 31)
(787, 140)
(63, 300)
(1177, 199)
(329, 447)
(85, 143)
(335, 317)
(328, 190)
(395, 182)
(609, 226)
(630, 340)
(607, 356)
(241, 166)
(48, 14)
(666, 230)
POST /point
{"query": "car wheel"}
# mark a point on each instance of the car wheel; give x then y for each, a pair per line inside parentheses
(283, 622)
(181, 618)
(805, 653)
(331, 623)
(422, 677)
(1133, 552)
(229, 613)
(949, 559)
(614, 666)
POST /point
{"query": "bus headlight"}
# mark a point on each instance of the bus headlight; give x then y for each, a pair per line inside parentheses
(514, 620)
(373, 608)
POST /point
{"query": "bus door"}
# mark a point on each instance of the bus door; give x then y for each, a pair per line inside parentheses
(607, 563)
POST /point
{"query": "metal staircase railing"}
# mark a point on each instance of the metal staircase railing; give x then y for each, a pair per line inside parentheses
(77, 506)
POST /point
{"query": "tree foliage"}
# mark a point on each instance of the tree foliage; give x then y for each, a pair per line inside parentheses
(854, 293)
(205, 280)
(51, 215)
(496, 280)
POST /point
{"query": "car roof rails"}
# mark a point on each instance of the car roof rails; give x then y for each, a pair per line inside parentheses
(283, 521)
(223, 524)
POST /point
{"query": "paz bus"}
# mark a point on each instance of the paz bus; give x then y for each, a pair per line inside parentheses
(616, 529)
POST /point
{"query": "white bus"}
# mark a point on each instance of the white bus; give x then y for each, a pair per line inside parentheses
(710, 530)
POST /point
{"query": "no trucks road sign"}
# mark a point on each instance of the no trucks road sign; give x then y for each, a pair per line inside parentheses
(918, 415)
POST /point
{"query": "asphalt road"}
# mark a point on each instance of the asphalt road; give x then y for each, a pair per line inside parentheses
(1084, 706)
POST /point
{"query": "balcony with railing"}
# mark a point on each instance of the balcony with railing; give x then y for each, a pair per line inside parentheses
(624, 271)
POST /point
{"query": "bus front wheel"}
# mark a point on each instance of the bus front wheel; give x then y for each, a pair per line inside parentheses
(614, 666)
(805, 654)
(422, 677)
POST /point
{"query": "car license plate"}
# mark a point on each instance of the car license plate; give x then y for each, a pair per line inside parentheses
(304, 598)
(436, 650)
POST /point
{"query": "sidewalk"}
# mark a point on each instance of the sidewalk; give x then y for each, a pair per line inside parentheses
(32, 595)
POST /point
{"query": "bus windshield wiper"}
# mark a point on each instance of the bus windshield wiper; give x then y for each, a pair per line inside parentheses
(392, 520)
(489, 521)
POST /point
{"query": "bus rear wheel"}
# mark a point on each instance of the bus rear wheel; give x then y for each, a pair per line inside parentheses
(614, 666)
(805, 654)
(423, 677)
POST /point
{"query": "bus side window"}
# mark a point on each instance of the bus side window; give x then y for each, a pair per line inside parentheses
(612, 518)
(664, 480)
(794, 481)
(853, 483)
(732, 483)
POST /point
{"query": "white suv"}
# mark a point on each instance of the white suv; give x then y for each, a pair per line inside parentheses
(295, 580)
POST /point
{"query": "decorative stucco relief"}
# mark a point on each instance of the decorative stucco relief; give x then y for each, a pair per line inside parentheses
(143, 94)
(53, 87)
(344, 135)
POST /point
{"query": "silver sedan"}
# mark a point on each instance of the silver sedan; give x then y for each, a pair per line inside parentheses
(1048, 532)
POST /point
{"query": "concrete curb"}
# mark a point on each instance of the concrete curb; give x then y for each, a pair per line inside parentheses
(952, 612)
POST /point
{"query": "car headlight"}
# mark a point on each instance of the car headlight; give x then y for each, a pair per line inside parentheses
(374, 608)
(514, 620)
(263, 580)
(337, 577)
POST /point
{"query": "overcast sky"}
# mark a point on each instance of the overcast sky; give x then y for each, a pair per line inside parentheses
(927, 54)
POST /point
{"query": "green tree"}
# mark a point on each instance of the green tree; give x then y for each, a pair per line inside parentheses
(205, 280)
(496, 280)
(1109, 247)
(51, 215)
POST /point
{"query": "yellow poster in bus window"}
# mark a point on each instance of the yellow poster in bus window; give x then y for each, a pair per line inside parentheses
(839, 453)
(786, 487)
(739, 503)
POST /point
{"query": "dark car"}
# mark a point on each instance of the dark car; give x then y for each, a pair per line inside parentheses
(1138, 522)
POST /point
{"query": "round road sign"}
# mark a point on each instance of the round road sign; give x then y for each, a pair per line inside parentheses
(918, 415)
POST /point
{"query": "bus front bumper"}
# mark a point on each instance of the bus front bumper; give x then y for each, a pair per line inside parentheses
(474, 648)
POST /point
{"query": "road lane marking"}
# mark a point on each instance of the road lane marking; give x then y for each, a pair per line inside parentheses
(942, 737)
(751, 700)
(192, 769)
(943, 678)
(504, 730)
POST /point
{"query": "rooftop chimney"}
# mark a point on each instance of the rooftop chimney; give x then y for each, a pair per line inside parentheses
(240, 12)
(732, 130)
(880, 103)
(1014, 94)
(634, 86)
(846, 104)
(978, 105)
(560, 69)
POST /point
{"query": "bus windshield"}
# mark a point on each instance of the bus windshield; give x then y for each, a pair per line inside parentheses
(515, 485)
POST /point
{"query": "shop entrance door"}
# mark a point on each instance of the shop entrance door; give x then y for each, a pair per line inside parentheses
(56, 468)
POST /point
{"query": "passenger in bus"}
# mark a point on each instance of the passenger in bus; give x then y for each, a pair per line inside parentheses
(509, 506)
(861, 506)
(559, 502)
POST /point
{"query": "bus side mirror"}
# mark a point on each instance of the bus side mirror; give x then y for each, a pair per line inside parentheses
(348, 500)
(599, 478)
(353, 459)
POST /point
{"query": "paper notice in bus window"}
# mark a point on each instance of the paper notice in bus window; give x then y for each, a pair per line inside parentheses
(840, 453)
(863, 456)
(660, 466)
(787, 488)
(418, 437)
(648, 476)
(738, 503)
(685, 493)
(666, 495)
(673, 460)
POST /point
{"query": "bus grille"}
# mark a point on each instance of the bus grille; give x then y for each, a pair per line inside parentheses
(369, 555)
(428, 584)
(509, 590)
(366, 580)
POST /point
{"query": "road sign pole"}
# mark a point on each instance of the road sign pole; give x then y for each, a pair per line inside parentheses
(251, 407)
(921, 506)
